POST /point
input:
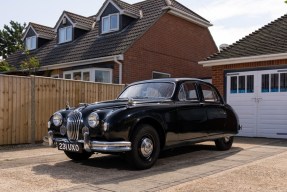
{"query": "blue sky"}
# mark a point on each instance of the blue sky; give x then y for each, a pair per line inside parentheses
(231, 19)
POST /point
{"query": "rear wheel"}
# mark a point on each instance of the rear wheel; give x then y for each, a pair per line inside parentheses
(78, 156)
(145, 147)
(224, 143)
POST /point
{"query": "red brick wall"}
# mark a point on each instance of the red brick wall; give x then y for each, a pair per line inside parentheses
(172, 45)
(218, 71)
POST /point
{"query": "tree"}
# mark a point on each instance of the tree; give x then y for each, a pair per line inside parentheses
(10, 38)
(30, 64)
(4, 66)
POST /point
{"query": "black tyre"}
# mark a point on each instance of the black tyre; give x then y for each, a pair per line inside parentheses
(224, 143)
(78, 156)
(145, 147)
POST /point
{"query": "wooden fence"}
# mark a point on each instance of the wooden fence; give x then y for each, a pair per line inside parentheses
(26, 103)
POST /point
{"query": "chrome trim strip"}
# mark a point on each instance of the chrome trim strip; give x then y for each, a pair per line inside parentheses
(111, 146)
(92, 146)
(87, 143)
(51, 138)
(73, 125)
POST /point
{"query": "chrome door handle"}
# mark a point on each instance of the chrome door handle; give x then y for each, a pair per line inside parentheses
(259, 99)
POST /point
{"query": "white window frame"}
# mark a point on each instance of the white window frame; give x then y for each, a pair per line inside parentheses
(29, 43)
(65, 40)
(109, 23)
(161, 73)
(92, 73)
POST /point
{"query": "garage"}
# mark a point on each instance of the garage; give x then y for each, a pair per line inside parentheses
(260, 100)
(252, 76)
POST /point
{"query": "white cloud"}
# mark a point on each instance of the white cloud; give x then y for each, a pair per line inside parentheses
(234, 19)
(229, 36)
(224, 9)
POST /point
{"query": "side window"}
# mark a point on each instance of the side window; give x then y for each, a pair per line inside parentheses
(209, 94)
(188, 92)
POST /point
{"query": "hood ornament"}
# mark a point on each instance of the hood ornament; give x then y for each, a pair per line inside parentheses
(130, 101)
(67, 105)
(83, 104)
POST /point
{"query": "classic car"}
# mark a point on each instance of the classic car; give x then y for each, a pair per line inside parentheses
(146, 118)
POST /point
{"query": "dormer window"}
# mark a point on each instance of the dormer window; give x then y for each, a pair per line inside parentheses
(37, 35)
(110, 23)
(31, 43)
(65, 34)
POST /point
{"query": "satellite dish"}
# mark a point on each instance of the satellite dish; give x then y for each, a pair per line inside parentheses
(168, 2)
(223, 46)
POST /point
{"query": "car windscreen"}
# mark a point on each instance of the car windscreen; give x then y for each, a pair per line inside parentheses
(151, 90)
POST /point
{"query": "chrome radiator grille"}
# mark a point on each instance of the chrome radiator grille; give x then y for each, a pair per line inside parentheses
(74, 123)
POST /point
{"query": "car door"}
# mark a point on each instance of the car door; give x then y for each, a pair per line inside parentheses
(215, 109)
(191, 115)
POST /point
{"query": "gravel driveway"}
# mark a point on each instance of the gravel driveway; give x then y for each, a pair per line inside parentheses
(251, 165)
(267, 175)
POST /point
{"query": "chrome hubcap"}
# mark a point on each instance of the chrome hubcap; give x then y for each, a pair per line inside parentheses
(226, 139)
(146, 147)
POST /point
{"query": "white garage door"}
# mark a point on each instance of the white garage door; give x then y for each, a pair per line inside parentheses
(260, 100)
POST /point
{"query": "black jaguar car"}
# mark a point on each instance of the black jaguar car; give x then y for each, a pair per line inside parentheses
(146, 118)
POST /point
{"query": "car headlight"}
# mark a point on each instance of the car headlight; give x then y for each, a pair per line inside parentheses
(57, 119)
(93, 119)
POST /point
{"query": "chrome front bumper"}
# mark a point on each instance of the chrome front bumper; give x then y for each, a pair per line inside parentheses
(91, 146)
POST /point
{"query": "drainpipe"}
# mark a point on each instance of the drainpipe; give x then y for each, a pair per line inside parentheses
(120, 67)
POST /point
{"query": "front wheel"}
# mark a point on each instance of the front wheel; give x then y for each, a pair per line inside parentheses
(78, 156)
(224, 143)
(145, 147)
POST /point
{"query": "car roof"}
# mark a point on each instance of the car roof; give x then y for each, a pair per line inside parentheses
(172, 80)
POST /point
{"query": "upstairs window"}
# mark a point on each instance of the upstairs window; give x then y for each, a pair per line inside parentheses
(110, 23)
(65, 34)
(31, 43)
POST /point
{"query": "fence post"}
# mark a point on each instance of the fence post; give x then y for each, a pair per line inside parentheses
(33, 108)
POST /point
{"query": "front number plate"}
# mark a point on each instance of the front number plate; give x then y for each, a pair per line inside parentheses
(72, 147)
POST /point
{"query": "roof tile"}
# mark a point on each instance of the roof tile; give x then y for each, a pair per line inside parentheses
(43, 30)
(80, 19)
(270, 39)
(92, 44)
(126, 6)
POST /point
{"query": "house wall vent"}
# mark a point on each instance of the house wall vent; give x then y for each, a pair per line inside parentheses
(64, 21)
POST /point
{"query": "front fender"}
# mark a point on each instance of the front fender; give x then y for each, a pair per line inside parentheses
(155, 120)
(123, 123)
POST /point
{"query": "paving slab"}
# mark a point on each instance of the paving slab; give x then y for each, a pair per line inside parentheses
(38, 168)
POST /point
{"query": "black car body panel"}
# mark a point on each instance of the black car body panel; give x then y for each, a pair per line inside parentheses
(180, 110)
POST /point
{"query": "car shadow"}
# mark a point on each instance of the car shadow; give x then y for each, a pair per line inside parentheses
(111, 169)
